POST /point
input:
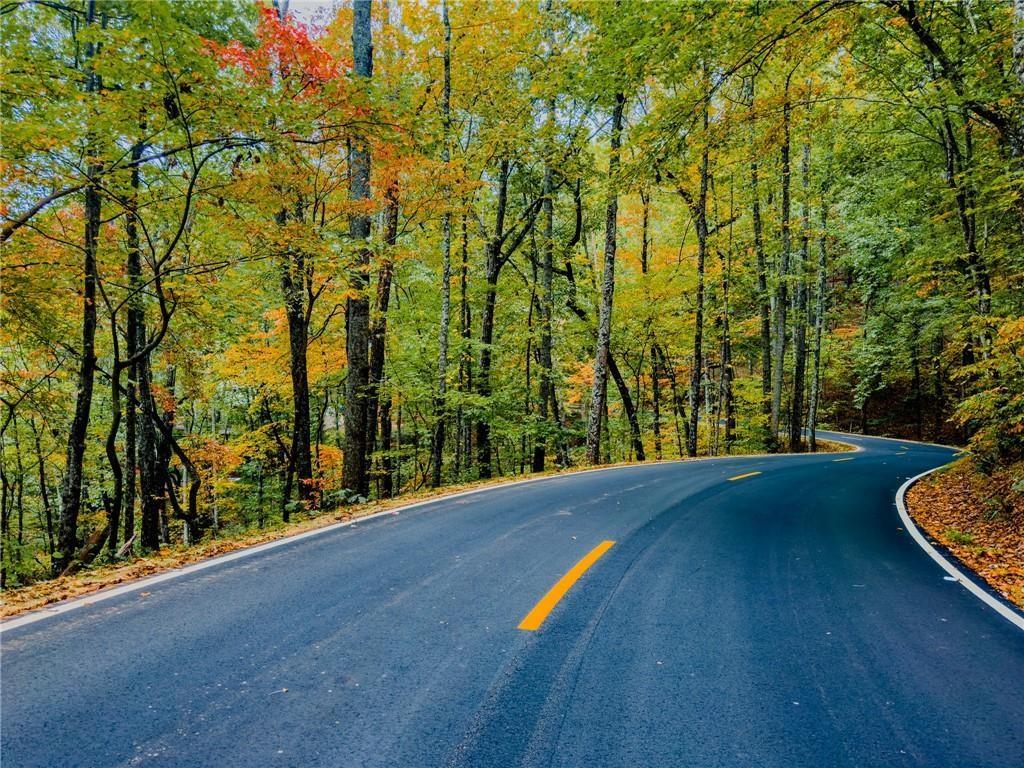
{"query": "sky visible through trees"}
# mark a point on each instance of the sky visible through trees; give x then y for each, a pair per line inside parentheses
(261, 262)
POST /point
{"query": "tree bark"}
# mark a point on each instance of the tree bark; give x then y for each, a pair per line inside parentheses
(44, 490)
(764, 306)
(437, 447)
(604, 323)
(547, 295)
(701, 224)
(71, 493)
(357, 316)
(151, 485)
(782, 289)
(379, 320)
(294, 288)
(629, 407)
(820, 308)
(500, 246)
(492, 269)
(800, 313)
(466, 358)
(727, 368)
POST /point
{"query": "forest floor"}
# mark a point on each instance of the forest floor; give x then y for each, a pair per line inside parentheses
(104, 575)
(978, 518)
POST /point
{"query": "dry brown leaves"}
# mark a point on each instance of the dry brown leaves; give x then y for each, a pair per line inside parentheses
(979, 519)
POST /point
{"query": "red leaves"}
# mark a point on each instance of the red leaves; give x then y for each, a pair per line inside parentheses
(285, 54)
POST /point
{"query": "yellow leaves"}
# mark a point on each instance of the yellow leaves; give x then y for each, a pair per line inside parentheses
(578, 384)
(260, 359)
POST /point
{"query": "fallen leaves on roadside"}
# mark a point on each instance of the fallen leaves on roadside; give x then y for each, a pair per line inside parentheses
(980, 519)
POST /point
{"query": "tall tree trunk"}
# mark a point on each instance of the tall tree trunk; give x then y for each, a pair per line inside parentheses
(492, 269)
(113, 503)
(163, 423)
(483, 425)
(915, 365)
(656, 403)
(379, 320)
(387, 481)
(727, 368)
(655, 376)
(466, 357)
(547, 294)
(151, 485)
(957, 167)
(71, 493)
(764, 305)
(293, 285)
(800, 312)
(782, 289)
(547, 307)
(939, 393)
(437, 449)
(699, 208)
(604, 323)
(132, 346)
(357, 316)
(820, 308)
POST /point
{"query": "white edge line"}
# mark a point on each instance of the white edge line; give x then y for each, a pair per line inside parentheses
(105, 594)
(992, 602)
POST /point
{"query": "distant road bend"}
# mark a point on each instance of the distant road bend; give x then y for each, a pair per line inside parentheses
(765, 611)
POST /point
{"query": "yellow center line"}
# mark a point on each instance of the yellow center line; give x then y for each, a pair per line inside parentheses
(740, 477)
(547, 603)
(846, 459)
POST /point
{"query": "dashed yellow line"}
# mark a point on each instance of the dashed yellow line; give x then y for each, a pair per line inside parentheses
(540, 611)
(748, 474)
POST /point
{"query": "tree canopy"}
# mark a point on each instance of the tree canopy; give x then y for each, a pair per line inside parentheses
(257, 266)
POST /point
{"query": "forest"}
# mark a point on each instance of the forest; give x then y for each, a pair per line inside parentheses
(264, 263)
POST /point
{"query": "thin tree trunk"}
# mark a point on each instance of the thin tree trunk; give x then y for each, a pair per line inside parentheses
(492, 270)
(113, 504)
(132, 347)
(379, 321)
(151, 485)
(71, 493)
(701, 223)
(655, 377)
(604, 325)
(820, 308)
(764, 306)
(547, 295)
(957, 164)
(678, 407)
(800, 312)
(437, 449)
(44, 490)
(387, 483)
(727, 367)
(357, 317)
(781, 292)
(293, 285)
(629, 408)
(164, 424)
(656, 403)
(466, 358)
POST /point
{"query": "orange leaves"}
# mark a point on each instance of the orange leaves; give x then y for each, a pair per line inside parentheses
(285, 54)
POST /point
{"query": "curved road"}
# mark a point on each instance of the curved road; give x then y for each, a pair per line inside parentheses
(779, 619)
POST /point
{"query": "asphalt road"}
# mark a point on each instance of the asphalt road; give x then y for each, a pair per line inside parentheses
(782, 619)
